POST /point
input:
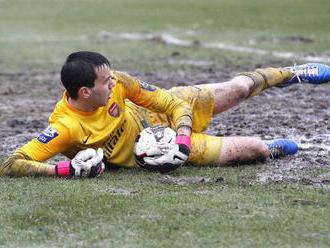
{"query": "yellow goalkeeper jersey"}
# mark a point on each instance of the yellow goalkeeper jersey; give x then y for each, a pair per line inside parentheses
(113, 127)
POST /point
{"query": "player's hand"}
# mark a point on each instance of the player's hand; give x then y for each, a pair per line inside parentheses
(87, 163)
(175, 155)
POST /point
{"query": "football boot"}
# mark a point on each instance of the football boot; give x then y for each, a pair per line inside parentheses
(282, 147)
(313, 73)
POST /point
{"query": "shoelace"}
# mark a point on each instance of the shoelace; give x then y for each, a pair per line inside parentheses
(310, 71)
(276, 152)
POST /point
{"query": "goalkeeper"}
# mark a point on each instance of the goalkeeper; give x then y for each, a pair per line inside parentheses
(101, 113)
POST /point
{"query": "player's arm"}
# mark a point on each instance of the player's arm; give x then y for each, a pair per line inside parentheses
(157, 100)
(20, 164)
(27, 161)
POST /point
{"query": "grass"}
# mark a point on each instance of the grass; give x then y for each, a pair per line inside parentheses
(132, 208)
(40, 33)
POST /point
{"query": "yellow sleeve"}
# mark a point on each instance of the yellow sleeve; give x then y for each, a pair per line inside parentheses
(155, 99)
(19, 164)
(53, 140)
(26, 160)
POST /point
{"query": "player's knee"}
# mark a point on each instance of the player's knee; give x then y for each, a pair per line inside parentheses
(242, 85)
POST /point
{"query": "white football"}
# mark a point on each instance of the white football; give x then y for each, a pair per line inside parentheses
(147, 143)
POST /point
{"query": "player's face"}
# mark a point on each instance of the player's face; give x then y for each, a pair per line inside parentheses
(102, 86)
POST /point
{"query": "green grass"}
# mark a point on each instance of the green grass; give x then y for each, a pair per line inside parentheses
(133, 209)
(40, 33)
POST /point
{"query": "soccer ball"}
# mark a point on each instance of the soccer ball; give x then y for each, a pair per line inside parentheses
(147, 143)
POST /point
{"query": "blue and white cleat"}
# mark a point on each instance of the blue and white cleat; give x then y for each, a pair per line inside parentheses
(282, 147)
(313, 73)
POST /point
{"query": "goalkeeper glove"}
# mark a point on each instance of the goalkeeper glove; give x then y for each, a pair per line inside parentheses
(87, 163)
(177, 154)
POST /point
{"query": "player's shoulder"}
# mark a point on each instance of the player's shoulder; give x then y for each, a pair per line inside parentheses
(117, 75)
(62, 118)
(64, 115)
(123, 78)
(62, 121)
(131, 82)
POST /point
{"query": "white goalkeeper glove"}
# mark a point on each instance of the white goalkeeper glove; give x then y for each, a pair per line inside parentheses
(175, 155)
(87, 163)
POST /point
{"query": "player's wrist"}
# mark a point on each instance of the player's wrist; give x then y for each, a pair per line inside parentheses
(51, 171)
(184, 140)
(64, 169)
(184, 130)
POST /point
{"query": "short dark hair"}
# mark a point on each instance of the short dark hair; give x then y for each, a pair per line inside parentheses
(79, 70)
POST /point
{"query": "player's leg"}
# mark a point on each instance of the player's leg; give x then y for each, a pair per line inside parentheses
(207, 100)
(220, 151)
(253, 148)
(241, 149)
(210, 99)
(246, 85)
(230, 93)
(249, 84)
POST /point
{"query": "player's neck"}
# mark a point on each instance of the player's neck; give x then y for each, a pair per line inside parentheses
(81, 105)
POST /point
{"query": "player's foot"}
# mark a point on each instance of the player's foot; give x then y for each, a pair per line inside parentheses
(313, 73)
(282, 147)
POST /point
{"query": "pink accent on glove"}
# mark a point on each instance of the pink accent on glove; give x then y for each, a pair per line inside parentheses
(63, 168)
(183, 139)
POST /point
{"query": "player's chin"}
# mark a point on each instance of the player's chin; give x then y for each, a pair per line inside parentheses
(103, 103)
(106, 100)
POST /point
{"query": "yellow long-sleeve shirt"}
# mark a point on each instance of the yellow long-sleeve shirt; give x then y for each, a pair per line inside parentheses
(113, 127)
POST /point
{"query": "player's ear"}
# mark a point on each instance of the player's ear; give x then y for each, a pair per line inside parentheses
(84, 92)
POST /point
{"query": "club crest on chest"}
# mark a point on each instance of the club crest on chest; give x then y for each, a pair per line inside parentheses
(114, 110)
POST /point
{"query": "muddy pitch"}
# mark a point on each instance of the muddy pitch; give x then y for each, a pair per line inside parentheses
(300, 112)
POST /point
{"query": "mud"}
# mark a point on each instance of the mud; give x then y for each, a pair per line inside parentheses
(300, 112)
(118, 191)
(183, 180)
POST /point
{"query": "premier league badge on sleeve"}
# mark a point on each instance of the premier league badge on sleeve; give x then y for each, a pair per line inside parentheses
(147, 86)
(47, 135)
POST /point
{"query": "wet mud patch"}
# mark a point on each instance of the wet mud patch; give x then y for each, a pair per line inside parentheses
(300, 112)
(119, 191)
(294, 39)
(306, 202)
(183, 180)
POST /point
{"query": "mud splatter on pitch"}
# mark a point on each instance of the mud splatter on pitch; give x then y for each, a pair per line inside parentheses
(183, 180)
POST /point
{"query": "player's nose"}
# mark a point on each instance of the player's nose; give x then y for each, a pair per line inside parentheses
(111, 84)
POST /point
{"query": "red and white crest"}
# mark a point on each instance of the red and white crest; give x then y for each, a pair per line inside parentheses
(114, 110)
